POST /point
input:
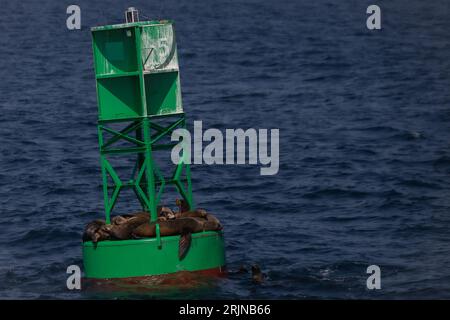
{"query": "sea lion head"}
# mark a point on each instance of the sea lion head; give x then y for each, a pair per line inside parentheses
(167, 213)
(257, 275)
(92, 229)
(118, 220)
(182, 205)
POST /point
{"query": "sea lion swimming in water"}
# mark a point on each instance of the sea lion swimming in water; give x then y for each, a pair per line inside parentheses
(257, 275)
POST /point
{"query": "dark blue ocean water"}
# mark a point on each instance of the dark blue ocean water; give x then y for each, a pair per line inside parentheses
(364, 122)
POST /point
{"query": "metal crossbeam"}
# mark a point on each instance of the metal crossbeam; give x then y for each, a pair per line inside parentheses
(149, 177)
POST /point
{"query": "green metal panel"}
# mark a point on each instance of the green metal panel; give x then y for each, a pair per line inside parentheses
(158, 48)
(162, 93)
(119, 98)
(127, 52)
(143, 257)
(115, 51)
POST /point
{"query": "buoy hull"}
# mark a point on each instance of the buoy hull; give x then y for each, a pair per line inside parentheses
(147, 257)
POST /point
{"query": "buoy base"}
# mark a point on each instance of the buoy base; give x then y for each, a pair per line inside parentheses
(147, 257)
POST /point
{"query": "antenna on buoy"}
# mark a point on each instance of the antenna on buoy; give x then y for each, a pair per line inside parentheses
(131, 15)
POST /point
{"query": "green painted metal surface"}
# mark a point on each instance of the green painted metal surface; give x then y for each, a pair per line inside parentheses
(162, 94)
(123, 94)
(143, 257)
(136, 68)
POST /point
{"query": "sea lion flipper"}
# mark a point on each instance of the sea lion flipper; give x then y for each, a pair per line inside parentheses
(184, 244)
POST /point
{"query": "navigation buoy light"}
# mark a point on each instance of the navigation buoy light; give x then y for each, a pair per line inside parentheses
(131, 15)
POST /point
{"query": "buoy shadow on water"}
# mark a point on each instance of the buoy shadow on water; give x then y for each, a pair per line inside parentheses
(155, 286)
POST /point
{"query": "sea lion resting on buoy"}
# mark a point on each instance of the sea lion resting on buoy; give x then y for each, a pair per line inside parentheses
(121, 229)
(212, 223)
(168, 228)
(181, 226)
(162, 212)
(177, 226)
(168, 214)
(182, 205)
(123, 226)
(198, 213)
(138, 225)
(96, 230)
(185, 212)
(165, 213)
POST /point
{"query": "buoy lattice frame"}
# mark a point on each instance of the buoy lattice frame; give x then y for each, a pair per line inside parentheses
(137, 76)
(144, 136)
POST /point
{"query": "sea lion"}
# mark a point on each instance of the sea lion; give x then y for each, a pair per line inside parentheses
(90, 231)
(104, 232)
(126, 217)
(182, 205)
(168, 228)
(138, 225)
(123, 231)
(185, 212)
(209, 223)
(198, 213)
(257, 275)
(212, 223)
(182, 226)
(96, 230)
(118, 220)
(141, 215)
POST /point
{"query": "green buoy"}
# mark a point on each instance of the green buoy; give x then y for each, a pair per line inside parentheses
(138, 89)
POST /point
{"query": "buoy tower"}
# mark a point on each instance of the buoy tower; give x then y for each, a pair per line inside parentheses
(139, 106)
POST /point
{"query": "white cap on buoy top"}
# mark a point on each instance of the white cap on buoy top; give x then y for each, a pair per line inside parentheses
(131, 15)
